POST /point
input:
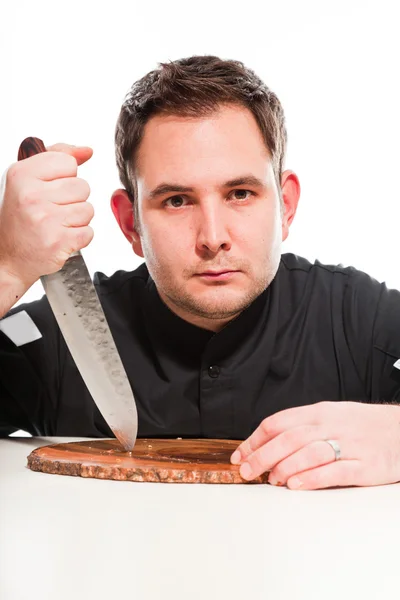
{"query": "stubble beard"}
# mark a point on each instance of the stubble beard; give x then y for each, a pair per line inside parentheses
(213, 308)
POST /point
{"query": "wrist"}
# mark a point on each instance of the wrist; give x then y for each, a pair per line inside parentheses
(9, 276)
(12, 288)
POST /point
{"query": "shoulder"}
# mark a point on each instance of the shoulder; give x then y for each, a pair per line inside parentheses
(121, 280)
(292, 263)
(362, 303)
(31, 320)
(338, 288)
(333, 277)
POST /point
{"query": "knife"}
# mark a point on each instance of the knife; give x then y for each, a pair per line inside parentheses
(80, 317)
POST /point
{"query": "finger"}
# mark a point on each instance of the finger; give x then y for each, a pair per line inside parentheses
(337, 474)
(67, 190)
(275, 451)
(308, 457)
(81, 238)
(47, 166)
(80, 153)
(76, 215)
(276, 424)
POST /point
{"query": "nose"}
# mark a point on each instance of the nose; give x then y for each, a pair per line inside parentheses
(212, 229)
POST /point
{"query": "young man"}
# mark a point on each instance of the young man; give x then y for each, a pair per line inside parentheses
(220, 335)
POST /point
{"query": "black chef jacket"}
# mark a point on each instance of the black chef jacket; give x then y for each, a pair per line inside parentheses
(318, 332)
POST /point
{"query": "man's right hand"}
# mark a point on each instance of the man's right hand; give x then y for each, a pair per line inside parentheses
(44, 216)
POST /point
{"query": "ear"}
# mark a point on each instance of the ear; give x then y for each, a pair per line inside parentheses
(122, 209)
(290, 190)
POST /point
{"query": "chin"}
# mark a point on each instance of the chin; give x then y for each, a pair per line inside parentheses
(225, 305)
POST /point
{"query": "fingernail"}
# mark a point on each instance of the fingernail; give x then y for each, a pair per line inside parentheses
(235, 458)
(295, 483)
(274, 481)
(245, 471)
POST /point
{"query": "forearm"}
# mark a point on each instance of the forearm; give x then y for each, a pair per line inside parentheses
(11, 290)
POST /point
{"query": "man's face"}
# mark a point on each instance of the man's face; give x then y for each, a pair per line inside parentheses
(208, 202)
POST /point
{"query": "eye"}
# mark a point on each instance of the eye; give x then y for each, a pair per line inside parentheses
(176, 201)
(241, 194)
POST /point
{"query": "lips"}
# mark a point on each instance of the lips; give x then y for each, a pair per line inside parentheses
(216, 272)
(213, 276)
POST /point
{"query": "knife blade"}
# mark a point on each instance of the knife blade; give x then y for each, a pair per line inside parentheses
(83, 324)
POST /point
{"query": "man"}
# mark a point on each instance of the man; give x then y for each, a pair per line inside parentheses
(220, 335)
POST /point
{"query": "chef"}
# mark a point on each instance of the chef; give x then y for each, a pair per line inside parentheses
(221, 335)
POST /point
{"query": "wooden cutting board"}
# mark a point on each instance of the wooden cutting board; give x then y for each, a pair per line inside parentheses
(156, 460)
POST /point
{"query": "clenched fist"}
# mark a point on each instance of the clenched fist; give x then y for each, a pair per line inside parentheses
(44, 213)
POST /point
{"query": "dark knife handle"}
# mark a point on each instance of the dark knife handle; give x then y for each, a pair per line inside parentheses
(29, 147)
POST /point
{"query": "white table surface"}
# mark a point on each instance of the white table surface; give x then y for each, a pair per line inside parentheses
(68, 537)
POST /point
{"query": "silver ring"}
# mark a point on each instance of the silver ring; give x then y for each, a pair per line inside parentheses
(336, 448)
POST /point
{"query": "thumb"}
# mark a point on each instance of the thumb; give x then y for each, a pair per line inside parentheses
(80, 153)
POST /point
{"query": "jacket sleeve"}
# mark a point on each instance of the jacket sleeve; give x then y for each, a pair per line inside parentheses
(29, 369)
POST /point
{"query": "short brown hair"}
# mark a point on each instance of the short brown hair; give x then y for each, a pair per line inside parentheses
(195, 87)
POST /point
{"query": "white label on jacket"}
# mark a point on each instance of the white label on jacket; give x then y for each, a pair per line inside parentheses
(20, 328)
(397, 364)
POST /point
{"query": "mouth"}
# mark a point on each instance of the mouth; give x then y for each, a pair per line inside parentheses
(217, 275)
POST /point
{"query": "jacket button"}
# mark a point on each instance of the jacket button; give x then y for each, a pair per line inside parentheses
(214, 371)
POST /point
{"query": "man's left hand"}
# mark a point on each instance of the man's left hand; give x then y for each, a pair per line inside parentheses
(290, 444)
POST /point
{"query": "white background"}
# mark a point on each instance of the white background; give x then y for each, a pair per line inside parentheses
(66, 67)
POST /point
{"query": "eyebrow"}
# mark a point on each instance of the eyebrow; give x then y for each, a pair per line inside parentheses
(167, 188)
